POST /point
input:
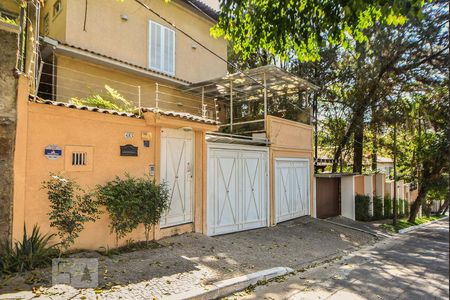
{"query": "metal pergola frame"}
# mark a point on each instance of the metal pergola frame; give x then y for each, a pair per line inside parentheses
(258, 84)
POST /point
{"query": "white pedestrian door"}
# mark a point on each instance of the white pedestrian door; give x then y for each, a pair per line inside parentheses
(237, 189)
(177, 171)
(291, 188)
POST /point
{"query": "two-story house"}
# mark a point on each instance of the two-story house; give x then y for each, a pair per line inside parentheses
(232, 162)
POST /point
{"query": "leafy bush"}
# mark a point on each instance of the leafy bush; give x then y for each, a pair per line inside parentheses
(154, 202)
(111, 99)
(132, 201)
(362, 207)
(388, 207)
(377, 208)
(71, 207)
(32, 252)
(400, 213)
(407, 208)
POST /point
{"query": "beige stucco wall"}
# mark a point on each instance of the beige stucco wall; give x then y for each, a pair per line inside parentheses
(289, 139)
(79, 78)
(108, 34)
(41, 125)
(57, 23)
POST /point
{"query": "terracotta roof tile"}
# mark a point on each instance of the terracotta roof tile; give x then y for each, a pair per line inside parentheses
(181, 115)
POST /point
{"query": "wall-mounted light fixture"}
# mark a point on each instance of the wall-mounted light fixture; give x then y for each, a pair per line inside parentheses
(124, 17)
(194, 46)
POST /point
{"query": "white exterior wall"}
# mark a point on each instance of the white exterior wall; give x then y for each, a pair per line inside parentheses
(379, 188)
(348, 197)
(368, 191)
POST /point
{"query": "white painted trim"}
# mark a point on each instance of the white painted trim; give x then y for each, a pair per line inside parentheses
(212, 145)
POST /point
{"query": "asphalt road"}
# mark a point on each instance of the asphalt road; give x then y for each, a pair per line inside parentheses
(409, 266)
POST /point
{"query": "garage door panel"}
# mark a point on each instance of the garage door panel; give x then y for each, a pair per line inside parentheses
(236, 190)
(284, 193)
(291, 188)
(253, 188)
(227, 189)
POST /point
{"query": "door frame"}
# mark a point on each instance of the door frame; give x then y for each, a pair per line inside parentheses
(193, 171)
(215, 145)
(286, 158)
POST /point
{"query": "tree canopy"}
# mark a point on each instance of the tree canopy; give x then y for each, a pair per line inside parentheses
(304, 26)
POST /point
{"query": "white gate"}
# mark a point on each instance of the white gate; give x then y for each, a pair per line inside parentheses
(237, 188)
(292, 196)
(177, 167)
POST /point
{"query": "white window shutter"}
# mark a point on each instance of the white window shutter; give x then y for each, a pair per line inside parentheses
(162, 48)
(169, 51)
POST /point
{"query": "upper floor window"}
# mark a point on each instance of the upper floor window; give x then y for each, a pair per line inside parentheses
(161, 48)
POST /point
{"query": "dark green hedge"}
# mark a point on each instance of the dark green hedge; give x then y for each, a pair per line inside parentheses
(388, 207)
(362, 208)
(377, 208)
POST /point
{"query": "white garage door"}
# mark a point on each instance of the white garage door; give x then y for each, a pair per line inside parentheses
(291, 188)
(237, 188)
(177, 170)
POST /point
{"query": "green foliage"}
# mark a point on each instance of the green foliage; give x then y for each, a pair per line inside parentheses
(154, 201)
(132, 201)
(402, 224)
(111, 99)
(362, 203)
(388, 207)
(400, 205)
(283, 27)
(378, 208)
(32, 252)
(9, 21)
(71, 207)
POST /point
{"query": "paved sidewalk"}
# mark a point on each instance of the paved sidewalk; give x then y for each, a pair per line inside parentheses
(193, 260)
(409, 266)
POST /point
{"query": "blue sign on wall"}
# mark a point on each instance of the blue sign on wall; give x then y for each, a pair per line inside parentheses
(52, 152)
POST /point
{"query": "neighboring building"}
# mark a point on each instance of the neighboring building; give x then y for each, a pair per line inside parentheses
(218, 139)
(385, 165)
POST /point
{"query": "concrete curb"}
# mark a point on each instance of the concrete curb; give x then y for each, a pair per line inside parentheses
(406, 230)
(230, 286)
(377, 235)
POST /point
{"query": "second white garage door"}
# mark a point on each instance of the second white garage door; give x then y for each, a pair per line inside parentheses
(291, 188)
(237, 188)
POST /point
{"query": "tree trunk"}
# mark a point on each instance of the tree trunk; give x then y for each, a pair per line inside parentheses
(443, 207)
(358, 142)
(418, 203)
(8, 121)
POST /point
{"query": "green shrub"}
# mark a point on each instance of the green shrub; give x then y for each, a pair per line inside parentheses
(111, 99)
(132, 201)
(400, 213)
(388, 207)
(377, 208)
(407, 208)
(32, 252)
(362, 208)
(71, 207)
